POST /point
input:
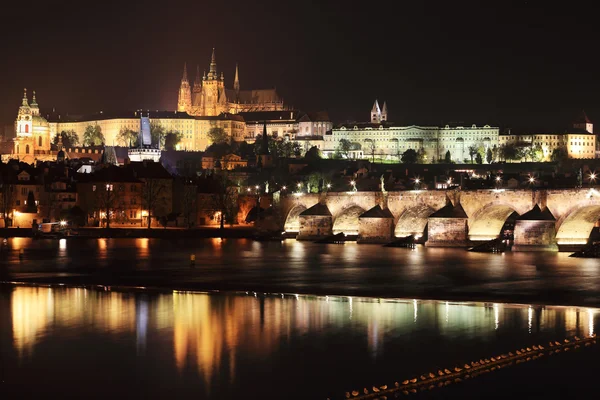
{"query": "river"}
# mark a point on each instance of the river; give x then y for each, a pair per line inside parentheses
(99, 341)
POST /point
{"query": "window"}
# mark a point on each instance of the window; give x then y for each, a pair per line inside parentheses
(40, 141)
(27, 149)
(18, 202)
(93, 188)
(26, 128)
(24, 191)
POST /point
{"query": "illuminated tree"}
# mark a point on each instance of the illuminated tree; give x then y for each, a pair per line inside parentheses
(489, 157)
(93, 136)
(157, 135)
(172, 139)
(218, 135)
(473, 151)
(69, 138)
(128, 138)
(448, 157)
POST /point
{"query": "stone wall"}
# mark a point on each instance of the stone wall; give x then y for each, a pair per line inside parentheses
(314, 227)
(375, 230)
(447, 232)
(535, 236)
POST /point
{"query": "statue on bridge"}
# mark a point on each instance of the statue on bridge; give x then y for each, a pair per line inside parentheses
(382, 180)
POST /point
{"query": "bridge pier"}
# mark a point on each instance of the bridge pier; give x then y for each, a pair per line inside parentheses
(448, 227)
(315, 223)
(535, 231)
(375, 226)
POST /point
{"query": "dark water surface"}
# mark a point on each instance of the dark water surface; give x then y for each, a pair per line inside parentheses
(301, 267)
(81, 343)
(107, 343)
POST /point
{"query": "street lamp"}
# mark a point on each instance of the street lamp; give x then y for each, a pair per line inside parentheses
(417, 183)
(592, 177)
(498, 181)
(353, 184)
(283, 188)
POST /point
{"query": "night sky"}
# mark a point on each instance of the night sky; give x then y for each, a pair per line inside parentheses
(514, 64)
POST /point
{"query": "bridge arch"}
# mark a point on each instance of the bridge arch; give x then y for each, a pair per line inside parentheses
(575, 227)
(413, 221)
(292, 221)
(487, 223)
(346, 220)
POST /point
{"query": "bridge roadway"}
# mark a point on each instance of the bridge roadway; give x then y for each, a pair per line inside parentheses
(447, 217)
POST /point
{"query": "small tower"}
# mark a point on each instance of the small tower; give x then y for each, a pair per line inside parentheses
(35, 109)
(23, 124)
(197, 85)
(236, 81)
(384, 112)
(184, 101)
(375, 113)
(583, 122)
(212, 72)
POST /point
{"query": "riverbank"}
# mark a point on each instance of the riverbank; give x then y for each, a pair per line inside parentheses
(163, 233)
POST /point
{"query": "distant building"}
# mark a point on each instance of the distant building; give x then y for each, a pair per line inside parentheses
(209, 97)
(578, 141)
(388, 140)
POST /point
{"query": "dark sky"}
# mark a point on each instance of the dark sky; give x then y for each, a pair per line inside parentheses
(516, 64)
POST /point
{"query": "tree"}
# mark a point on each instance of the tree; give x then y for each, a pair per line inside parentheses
(313, 153)
(559, 154)
(188, 202)
(421, 156)
(297, 149)
(7, 199)
(107, 201)
(495, 153)
(478, 158)
(172, 139)
(371, 147)
(93, 136)
(69, 138)
(510, 151)
(448, 157)
(128, 138)
(224, 198)
(343, 148)
(157, 134)
(489, 156)
(473, 150)
(153, 197)
(410, 156)
(218, 135)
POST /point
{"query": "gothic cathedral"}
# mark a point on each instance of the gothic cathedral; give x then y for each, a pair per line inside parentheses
(209, 97)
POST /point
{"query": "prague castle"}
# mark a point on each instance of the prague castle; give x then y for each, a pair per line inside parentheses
(209, 97)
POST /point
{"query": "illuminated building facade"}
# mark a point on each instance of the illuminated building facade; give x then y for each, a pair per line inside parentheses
(390, 140)
(209, 97)
(578, 141)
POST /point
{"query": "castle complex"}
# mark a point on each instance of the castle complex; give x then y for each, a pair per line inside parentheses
(209, 97)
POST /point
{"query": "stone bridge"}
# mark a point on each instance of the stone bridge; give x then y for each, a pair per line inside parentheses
(448, 217)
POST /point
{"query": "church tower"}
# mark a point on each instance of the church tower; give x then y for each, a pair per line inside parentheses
(236, 81)
(197, 90)
(184, 101)
(24, 122)
(375, 113)
(583, 122)
(214, 100)
(384, 112)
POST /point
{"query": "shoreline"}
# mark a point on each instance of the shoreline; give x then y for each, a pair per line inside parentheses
(517, 301)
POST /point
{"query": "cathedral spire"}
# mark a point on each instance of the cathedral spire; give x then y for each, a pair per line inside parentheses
(212, 74)
(185, 77)
(198, 79)
(236, 80)
(33, 102)
(25, 102)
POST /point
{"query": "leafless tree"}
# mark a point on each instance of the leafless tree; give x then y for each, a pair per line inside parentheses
(7, 201)
(189, 201)
(153, 197)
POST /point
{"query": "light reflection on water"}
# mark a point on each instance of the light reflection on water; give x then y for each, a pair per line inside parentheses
(222, 337)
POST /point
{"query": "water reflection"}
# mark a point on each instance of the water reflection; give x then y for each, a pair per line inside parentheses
(216, 335)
